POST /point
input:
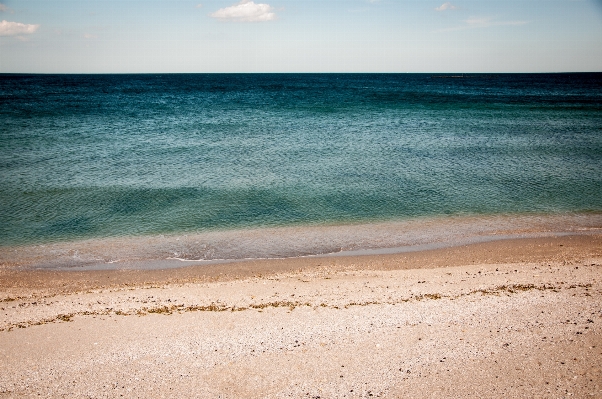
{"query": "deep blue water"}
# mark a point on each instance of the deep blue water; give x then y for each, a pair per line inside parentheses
(113, 155)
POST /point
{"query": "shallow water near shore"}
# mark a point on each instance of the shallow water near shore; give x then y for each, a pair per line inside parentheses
(220, 167)
(172, 251)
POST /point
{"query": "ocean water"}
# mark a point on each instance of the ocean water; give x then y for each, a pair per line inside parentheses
(94, 157)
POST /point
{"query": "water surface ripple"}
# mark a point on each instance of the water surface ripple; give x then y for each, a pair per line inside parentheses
(91, 156)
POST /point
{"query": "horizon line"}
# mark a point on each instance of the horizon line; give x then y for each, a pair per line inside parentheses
(443, 74)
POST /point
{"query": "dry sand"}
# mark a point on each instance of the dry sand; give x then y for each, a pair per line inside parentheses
(514, 318)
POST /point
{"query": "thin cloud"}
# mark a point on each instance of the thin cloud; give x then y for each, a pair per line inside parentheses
(487, 22)
(16, 28)
(5, 8)
(199, 6)
(246, 11)
(482, 22)
(90, 36)
(446, 6)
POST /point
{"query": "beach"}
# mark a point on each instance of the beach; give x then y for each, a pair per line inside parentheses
(506, 318)
(301, 235)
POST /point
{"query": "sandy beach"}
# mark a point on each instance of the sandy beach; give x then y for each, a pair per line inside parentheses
(502, 319)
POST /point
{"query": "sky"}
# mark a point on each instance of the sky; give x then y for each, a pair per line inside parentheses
(184, 36)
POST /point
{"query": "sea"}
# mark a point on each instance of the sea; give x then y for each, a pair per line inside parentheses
(110, 169)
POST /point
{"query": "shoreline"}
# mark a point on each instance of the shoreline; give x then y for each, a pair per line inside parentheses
(233, 246)
(513, 250)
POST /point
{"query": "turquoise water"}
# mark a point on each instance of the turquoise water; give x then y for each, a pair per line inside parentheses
(92, 156)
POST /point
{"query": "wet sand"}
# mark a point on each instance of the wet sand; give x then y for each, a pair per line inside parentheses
(509, 318)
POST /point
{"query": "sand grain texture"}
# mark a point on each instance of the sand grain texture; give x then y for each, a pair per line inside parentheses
(433, 324)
